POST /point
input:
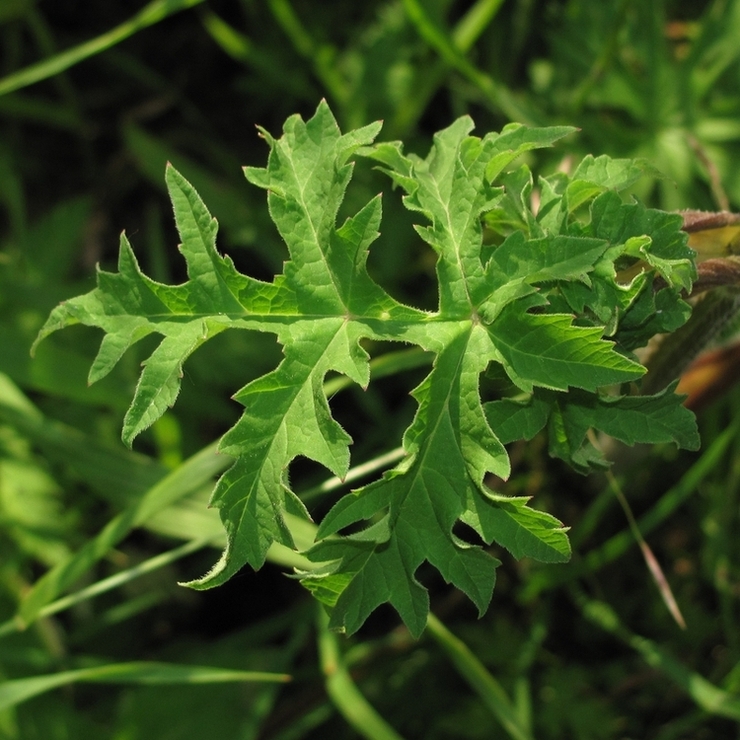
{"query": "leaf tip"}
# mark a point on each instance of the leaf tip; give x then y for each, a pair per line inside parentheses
(263, 133)
(39, 338)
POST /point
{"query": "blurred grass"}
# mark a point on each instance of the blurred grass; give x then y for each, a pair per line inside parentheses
(94, 98)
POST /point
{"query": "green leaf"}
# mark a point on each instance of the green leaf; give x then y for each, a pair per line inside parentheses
(538, 304)
(595, 175)
(516, 139)
(547, 350)
(523, 531)
(514, 420)
(451, 448)
(631, 419)
(654, 236)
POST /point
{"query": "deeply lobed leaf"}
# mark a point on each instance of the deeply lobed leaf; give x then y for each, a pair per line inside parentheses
(538, 299)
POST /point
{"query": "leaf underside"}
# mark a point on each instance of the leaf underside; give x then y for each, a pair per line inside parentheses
(541, 300)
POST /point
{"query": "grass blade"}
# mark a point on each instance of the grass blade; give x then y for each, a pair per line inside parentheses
(343, 691)
(149, 15)
(498, 96)
(141, 673)
(187, 478)
(479, 679)
(706, 695)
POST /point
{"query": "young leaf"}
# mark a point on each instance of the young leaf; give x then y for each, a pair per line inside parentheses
(594, 175)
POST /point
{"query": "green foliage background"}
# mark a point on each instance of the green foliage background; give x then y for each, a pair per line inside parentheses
(584, 650)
